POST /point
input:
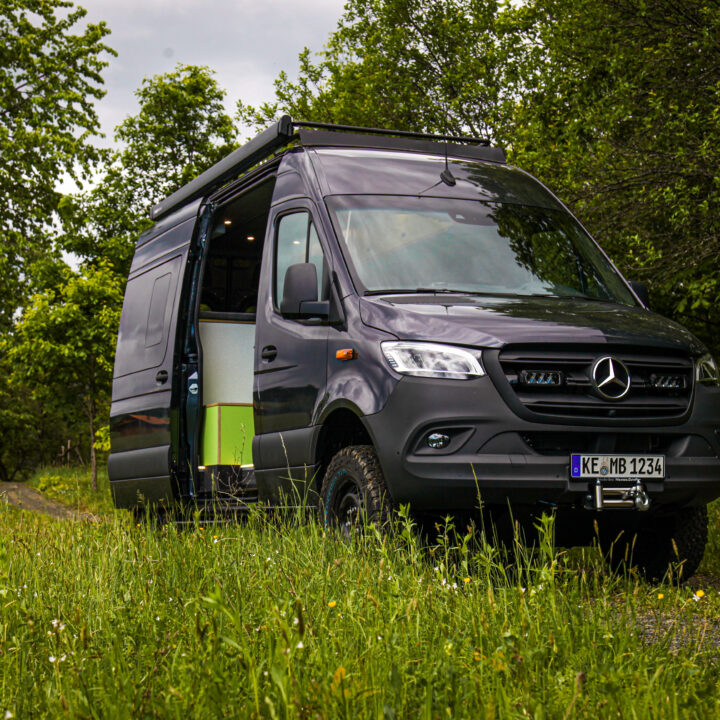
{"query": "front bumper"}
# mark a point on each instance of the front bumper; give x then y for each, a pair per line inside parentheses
(499, 457)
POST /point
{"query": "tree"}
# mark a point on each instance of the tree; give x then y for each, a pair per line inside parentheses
(30, 432)
(613, 104)
(64, 346)
(624, 122)
(49, 79)
(407, 64)
(180, 130)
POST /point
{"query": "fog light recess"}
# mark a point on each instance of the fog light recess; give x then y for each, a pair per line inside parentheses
(437, 441)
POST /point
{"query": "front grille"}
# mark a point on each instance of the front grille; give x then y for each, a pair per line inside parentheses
(660, 382)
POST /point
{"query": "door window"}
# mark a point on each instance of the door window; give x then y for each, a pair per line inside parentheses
(156, 314)
(297, 242)
(145, 320)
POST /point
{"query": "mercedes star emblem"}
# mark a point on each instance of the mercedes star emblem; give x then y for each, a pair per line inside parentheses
(611, 378)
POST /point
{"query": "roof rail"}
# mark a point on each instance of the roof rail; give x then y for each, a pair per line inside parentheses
(276, 136)
(394, 133)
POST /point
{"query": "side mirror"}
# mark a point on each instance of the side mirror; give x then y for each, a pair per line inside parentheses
(640, 289)
(300, 295)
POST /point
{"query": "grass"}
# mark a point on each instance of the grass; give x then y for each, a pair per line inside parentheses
(71, 486)
(280, 619)
(711, 561)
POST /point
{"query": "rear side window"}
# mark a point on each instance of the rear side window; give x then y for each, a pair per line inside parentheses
(156, 314)
(297, 242)
(146, 315)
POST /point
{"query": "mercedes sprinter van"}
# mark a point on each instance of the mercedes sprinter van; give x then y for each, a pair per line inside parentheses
(366, 318)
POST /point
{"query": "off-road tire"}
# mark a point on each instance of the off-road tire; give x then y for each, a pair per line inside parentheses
(353, 491)
(672, 541)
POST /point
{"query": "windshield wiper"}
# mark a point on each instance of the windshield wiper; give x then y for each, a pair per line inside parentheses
(449, 291)
(418, 291)
(572, 297)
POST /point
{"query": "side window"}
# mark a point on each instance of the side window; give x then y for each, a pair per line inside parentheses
(156, 313)
(297, 242)
(145, 321)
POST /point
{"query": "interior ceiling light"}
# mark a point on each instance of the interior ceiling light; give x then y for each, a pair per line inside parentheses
(296, 242)
(228, 222)
(250, 238)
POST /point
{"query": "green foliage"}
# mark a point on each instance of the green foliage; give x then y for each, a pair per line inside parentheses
(64, 346)
(62, 350)
(418, 65)
(623, 123)
(73, 487)
(179, 131)
(30, 431)
(284, 620)
(49, 79)
(613, 104)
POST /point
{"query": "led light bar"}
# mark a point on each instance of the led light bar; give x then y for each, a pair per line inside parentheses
(541, 377)
(668, 382)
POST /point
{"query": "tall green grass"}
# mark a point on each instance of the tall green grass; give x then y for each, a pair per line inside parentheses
(278, 618)
(72, 487)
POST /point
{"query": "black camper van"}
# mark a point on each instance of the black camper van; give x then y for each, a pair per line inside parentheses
(350, 315)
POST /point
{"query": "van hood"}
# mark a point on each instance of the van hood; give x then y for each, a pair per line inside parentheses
(492, 322)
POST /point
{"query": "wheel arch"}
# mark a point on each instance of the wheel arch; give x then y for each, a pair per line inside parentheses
(342, 425)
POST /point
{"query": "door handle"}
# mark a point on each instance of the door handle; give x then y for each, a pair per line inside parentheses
(161, 377)
(269, 353)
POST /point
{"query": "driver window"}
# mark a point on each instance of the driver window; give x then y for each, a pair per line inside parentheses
(297, 242)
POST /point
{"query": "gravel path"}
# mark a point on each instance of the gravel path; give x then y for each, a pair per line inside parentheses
(27, 498)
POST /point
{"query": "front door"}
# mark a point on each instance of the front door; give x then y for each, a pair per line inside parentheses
(290, 360)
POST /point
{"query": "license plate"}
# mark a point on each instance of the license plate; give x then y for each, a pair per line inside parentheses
(617, 466)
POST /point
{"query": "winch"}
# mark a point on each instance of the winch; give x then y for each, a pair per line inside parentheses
(614, 497)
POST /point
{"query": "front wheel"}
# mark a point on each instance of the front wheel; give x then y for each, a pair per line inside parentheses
(660, 543)
(353, 490)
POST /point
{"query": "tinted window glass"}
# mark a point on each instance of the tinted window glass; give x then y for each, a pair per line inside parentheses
(146, 315)
(316, 257)
(424, 243)
(297, 242)
(156, 315)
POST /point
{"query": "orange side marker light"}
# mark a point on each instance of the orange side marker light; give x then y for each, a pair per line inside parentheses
(346, 354)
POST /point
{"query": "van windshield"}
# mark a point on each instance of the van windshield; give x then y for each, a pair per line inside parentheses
(426, 244)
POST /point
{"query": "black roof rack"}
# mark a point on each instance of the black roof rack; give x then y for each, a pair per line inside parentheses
(283, 131)
(394, 133)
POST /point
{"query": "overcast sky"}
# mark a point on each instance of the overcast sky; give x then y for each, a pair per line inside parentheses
(246, 43)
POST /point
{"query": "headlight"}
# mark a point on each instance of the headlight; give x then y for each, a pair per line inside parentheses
(430, 360)
(706, 370)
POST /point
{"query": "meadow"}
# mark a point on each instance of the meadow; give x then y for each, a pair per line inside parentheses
(276, 617)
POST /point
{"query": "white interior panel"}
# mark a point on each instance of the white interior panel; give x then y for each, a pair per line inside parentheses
(228, 351)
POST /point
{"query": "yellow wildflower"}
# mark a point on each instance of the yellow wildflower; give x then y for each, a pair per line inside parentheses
(661, 596)
(332, 604)
(700, 593)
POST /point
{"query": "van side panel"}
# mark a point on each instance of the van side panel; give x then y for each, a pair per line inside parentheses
(144, 413)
